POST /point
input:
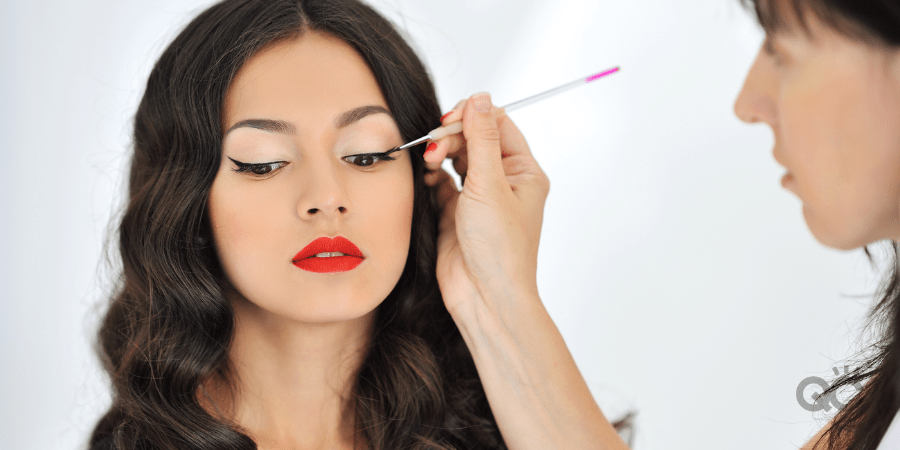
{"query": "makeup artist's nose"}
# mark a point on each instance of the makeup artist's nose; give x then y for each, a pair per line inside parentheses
(755, 101)
(324, 196)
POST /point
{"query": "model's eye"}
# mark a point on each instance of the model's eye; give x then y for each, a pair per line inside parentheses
(260, 169)
(368, 159)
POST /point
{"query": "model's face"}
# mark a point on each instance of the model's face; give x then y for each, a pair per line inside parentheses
(311, 187)
(834, 107)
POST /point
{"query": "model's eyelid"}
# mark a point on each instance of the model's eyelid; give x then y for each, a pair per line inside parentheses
(376, 157)
(243, 164)
(379, 154)
(251, 169)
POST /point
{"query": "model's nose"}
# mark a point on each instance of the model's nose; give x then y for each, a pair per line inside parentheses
(324, 196)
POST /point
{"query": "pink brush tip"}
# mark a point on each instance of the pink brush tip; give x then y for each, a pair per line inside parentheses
(600, 75)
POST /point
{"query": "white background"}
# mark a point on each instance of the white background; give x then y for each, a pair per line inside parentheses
(681, 274)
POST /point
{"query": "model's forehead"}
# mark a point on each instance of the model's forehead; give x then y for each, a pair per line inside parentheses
(315, 72)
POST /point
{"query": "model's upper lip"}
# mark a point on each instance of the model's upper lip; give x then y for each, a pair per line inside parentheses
(324, 244)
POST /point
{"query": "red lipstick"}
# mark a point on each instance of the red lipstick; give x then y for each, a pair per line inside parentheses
(306, 259)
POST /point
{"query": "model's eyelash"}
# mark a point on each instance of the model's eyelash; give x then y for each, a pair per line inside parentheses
(257, 169)
(359, 159)
(374, 157)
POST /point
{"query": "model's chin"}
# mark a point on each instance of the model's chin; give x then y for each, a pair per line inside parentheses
(317, 309)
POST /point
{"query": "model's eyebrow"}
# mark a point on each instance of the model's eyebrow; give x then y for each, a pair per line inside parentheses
(355, 114)
(270, 125)
(279, 126)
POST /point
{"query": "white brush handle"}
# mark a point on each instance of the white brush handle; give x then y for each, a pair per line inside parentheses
(456, 127)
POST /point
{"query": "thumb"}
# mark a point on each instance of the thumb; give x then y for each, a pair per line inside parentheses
(485, 167)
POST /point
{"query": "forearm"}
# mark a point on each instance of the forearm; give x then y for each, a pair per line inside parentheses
(535, 390)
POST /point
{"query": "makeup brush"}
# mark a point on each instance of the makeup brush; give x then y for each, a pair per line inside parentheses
(456, 127)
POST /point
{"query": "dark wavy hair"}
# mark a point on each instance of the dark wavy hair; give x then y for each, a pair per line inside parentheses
(168, 326)
(863, 422)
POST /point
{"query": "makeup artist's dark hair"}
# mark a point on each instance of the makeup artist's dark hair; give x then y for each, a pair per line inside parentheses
(862, 423)
(168, 326)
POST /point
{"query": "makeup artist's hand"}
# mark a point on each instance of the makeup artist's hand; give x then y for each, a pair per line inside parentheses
(489, 231)
(487, 272)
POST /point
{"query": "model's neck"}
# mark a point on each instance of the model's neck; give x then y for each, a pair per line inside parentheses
(295, 380)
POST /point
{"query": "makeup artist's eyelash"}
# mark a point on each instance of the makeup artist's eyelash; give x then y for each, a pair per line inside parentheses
(770, 49)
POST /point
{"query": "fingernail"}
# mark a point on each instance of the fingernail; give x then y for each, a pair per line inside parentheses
(445, 116)
(482, 101)
(431, 147)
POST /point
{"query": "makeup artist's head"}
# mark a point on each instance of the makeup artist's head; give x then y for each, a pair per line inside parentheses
(244, 147)
(827, 81)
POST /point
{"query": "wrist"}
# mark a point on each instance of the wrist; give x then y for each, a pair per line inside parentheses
(494, 314)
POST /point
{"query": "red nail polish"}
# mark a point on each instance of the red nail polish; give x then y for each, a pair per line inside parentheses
(445, 116)
(504, 154)
(431, 147)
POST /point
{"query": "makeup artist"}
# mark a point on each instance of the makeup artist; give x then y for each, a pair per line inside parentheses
(826, 80)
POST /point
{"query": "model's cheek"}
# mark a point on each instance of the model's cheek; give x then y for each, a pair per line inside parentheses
(388, 201)
(247, 234)
(389, 219)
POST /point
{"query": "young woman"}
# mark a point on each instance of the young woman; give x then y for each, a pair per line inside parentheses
(827, 81)
(288, 283)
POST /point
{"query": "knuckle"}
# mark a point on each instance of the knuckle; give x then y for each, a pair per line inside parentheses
(489, 133)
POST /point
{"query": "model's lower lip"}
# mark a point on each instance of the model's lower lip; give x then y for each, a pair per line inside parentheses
(330, 264)
(787, 178)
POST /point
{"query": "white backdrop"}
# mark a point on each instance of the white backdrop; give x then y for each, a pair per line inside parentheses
(681, 274)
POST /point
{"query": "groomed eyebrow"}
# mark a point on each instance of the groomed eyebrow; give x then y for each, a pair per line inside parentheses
(270, 125)
(356, 114)
(279, 126)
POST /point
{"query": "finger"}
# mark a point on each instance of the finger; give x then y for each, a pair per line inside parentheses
(483, 151)
(455, 114)
(512, 141)
(444, 148)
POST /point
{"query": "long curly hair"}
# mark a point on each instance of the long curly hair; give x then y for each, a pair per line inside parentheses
(861, 424)
(168, 326)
